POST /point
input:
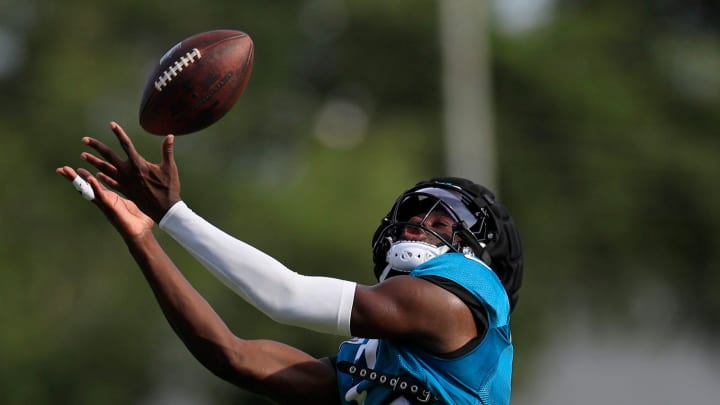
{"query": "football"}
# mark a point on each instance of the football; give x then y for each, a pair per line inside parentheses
(196, 82)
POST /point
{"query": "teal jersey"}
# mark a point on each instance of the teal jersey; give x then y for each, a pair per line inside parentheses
(371, 371)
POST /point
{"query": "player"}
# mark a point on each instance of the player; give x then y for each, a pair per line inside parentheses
(435, 329)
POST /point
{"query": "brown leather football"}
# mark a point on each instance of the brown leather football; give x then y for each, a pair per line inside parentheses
(196, 82)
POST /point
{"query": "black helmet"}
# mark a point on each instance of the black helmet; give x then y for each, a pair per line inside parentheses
(483, 226)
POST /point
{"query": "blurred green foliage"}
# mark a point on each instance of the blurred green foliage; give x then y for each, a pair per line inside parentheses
(607, 118)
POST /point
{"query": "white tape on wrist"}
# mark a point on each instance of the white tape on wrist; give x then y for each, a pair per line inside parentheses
(84, 188)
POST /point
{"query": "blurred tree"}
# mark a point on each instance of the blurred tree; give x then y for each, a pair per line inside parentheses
(608, 122)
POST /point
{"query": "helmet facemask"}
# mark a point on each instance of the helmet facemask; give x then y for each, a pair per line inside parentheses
(484, 228)
(414, 209)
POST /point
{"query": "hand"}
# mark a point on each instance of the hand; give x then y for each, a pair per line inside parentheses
(153, 187)
(125, 216)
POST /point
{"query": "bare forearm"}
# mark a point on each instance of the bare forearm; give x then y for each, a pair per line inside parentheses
(268, 368)
(193, 319)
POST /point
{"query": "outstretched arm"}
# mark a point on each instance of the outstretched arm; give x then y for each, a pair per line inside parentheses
(269, 368)
(318, 303)
(265, 367)
(403, 307)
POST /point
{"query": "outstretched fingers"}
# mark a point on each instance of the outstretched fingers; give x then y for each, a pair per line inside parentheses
(114, 184)
(102, 165)
(104, 197)
(67, 172)
(97, 187)
(80, 180)
(126, 144)
(111, 157)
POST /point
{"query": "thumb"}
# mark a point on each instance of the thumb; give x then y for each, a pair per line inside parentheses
(168, 147)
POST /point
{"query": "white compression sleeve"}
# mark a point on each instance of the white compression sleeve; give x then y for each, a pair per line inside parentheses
(322, 304)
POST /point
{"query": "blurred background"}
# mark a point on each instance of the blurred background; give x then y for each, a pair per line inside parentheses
(596, 122)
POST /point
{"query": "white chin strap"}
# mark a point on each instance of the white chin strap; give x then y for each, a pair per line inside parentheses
(406, 255)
